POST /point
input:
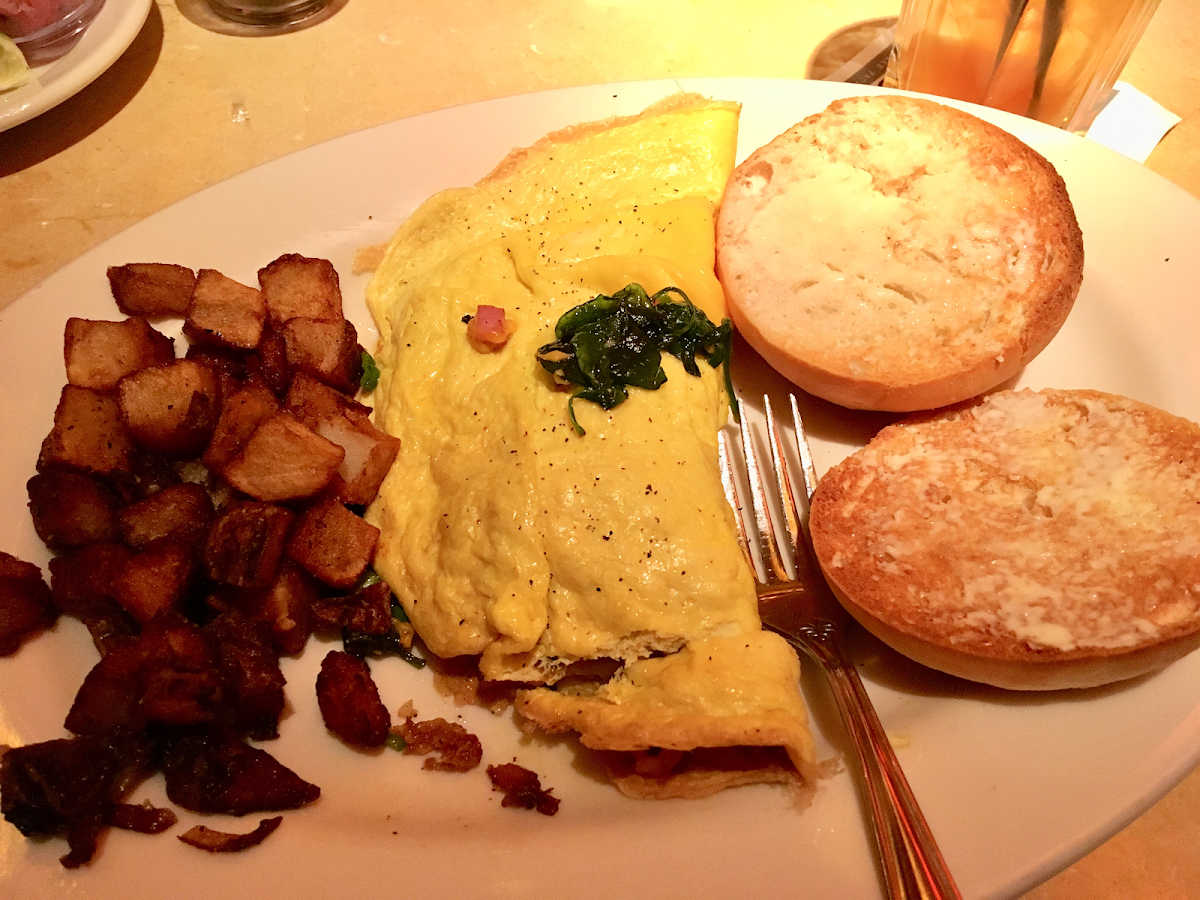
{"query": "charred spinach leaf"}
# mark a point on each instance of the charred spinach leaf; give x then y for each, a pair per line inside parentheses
(612, 343)
(362, 645)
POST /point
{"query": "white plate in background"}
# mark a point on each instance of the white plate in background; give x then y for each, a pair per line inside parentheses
(106, 38)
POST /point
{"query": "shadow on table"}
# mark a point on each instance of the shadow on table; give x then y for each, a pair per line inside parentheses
(77, 117)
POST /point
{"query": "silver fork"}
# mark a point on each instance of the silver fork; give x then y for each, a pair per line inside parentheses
(804, 611)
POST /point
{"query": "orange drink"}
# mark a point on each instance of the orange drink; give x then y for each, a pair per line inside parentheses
(1051, 60)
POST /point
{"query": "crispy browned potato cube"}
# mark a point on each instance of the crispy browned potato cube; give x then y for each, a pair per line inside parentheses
(246, 543)
(332, 543)
(283, 611)
(296, 285)
(310, 401)
(284, 460)
(232, 365)
(369, 455)
(81, 583)
(241, 414)
(349, 701)
(182, 513)
(286, 607)
(368, 610)
(89, 434)
(99, 353)
(166, 673)
(81, 580)
(14, 567)
(328, 351)
(25, 603)
(224, 312)
(219, 490)
(152, 289)
(171, 409)
(70, 510)
(249, 667)
(149, 473)
(155, 580)
(272, 361)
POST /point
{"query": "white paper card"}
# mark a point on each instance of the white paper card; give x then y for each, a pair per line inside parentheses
(1131, 123)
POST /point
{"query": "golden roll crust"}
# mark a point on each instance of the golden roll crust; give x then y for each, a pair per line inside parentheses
(1032, 540)
(893, 253)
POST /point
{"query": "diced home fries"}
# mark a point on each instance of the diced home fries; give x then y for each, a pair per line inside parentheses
(161, 489)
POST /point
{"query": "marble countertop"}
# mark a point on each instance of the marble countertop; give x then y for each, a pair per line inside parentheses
(185, 107)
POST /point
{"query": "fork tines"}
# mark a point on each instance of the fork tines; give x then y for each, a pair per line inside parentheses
(770, 549)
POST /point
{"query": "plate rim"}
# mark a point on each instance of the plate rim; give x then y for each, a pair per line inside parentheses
(1057, 861)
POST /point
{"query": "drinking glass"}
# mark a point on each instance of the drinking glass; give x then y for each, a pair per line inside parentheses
(267, 12)
(1051, 60)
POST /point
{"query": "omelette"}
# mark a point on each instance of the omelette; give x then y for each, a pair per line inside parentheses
(509, 535)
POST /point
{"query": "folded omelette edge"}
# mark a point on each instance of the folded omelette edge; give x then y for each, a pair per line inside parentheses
(507, 535)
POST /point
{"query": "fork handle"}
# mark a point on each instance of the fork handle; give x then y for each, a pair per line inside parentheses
(912, 863)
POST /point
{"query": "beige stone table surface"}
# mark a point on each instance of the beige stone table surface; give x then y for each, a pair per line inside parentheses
(185, 107)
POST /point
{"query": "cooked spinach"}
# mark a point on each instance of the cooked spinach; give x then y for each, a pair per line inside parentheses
(362, 645)
(370, 373)
(611, 343)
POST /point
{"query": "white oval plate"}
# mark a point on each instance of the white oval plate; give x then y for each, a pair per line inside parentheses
(1015, 786)
(109, 35)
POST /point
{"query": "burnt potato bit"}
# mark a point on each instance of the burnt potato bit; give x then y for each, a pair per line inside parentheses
(273, 362)
(287, 607)
(141, 817)
(349, 701)
(167, 674)
(148, 473)
(250, 670)
(222, 842)
(455, 748)
(81, 583)
(366, 611)
(233, 366)
(26, 603)
(522, 788)
(214, 772)
(282, 611)
(70, 786)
